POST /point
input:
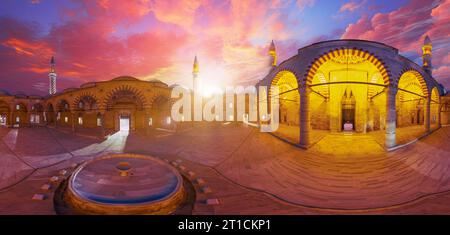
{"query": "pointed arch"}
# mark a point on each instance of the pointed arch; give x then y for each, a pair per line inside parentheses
(354, 53)
(85, 101)
(127, 92)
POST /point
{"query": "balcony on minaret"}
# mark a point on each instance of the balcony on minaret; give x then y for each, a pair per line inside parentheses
(426, 55)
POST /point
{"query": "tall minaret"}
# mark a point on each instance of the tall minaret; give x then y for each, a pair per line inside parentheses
(196, 79)
(273, 54)
(426, 55)
(52, 77)
(197, 113)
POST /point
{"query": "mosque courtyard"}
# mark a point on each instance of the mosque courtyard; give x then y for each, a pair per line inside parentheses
(235, 169)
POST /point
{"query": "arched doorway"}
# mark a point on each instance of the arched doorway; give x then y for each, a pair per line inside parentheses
(289, 105)
(124, 122)
(411, 106)
(124, 110)
(348, 111)
(347, 87)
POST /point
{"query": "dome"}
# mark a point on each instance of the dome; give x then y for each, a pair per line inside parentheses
(155, 80)
(20, 96)
(88, 84)
(125, 78)
(69, 89)
(4, 92)
(35, 97)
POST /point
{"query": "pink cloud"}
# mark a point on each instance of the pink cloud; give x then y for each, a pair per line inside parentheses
(85, 50)
(351, 6)
(406, 27)
(443, 72)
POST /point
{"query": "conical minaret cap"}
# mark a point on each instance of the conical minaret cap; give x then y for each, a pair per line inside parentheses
(427, 40)
(195, 68)
(272, 47)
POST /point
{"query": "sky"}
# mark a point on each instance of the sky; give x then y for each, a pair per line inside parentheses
(158, 39)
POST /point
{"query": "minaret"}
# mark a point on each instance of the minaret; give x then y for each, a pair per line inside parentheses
(273, 53)
(426, 55)
(52, 77)
(197, 113)
(196, 79)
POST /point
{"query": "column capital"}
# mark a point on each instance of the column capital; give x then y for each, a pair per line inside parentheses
(391, 88)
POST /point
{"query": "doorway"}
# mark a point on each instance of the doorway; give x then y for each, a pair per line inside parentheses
(124, 123)
(348, 111)
(348, 119)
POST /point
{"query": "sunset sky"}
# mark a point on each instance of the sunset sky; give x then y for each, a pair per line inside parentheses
(152, 39)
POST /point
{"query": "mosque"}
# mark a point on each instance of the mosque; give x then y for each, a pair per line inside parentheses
(362, 131)
(338, 86)
(356, 86)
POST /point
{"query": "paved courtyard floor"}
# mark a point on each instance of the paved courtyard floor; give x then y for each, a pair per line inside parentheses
(247, 171)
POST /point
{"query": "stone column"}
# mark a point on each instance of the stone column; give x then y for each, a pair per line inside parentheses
(391, 116)
(305, 122)
(427, 113)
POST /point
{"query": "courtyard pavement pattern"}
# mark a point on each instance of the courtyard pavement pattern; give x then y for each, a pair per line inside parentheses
(248, 171)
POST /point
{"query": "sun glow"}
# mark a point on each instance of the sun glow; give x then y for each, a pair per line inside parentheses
(214, 77)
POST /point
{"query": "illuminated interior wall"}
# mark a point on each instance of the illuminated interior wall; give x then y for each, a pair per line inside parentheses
(377, 113)
(288, 97)
(366, 101)
(319, 106)
(410, 100)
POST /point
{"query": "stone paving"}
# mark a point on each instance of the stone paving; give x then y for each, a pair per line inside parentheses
(248, 172)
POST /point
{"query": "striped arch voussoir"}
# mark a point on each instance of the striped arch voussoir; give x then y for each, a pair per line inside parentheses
(318, 61)
(135, 91)
(422, 82)
(81, 96)
(279, 74)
